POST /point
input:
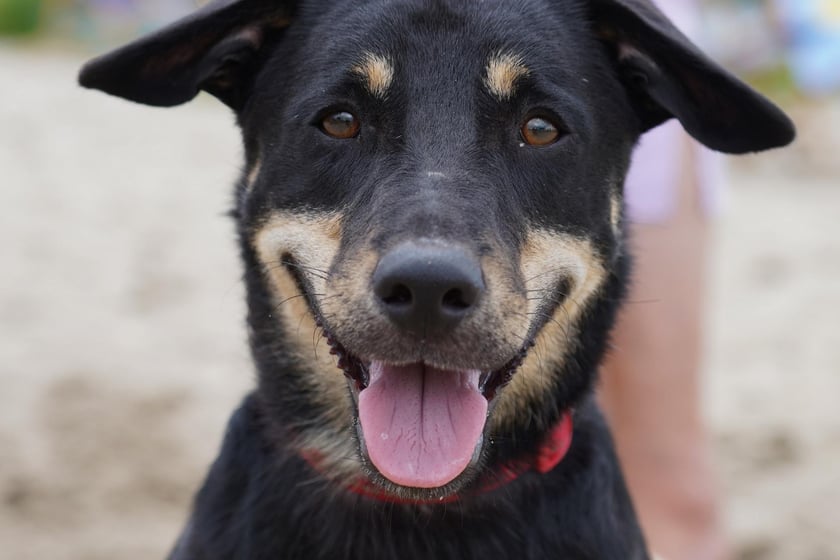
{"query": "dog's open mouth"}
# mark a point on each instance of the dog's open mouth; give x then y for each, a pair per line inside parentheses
(421, 426)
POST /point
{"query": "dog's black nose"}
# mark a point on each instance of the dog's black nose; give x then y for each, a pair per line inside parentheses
(428, 289)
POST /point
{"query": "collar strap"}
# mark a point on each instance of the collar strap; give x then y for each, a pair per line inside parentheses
(554, 448)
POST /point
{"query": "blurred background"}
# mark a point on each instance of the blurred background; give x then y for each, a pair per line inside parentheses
(123, 343)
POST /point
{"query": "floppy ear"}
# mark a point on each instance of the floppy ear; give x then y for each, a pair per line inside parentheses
(667, 76)
(215, 49)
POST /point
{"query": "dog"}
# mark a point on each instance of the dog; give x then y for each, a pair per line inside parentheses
(431, 222)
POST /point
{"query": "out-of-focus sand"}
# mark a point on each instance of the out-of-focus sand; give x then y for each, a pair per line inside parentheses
(123, 347)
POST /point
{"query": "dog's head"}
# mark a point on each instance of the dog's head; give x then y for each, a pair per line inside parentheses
(431, 213)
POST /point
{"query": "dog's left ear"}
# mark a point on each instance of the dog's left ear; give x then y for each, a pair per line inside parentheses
(216, 49)
(667, 76)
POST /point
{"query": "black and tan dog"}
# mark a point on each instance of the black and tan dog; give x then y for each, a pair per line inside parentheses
(435, 188)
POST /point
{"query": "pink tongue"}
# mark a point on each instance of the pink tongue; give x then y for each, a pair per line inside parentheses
(421, 425)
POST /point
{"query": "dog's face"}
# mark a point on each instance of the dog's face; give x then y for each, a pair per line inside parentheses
(431, 209)
(443, 194)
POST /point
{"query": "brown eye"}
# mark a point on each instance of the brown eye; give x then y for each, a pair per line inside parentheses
(538, 131)
(341, 125)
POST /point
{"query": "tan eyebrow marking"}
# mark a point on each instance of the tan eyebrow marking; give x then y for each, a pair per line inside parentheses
(502, 72)
(378, 73)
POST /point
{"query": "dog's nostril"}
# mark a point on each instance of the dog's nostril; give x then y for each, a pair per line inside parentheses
(399, 295)
(454, 300)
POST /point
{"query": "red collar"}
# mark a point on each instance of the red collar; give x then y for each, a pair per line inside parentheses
(553, 449)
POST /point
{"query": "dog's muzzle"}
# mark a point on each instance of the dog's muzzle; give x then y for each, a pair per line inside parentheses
(422, 426)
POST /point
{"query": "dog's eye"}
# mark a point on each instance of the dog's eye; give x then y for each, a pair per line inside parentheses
(539, 131)
(341, 125)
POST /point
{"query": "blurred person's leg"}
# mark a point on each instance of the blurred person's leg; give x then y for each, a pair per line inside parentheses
(651, 390)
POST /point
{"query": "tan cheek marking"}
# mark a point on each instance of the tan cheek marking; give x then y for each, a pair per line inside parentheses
(506, 303)
(502, 73)
(546, 257)
(378, 73)
(313, 241)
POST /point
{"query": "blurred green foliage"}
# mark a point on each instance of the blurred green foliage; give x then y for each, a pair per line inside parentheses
(19, 17)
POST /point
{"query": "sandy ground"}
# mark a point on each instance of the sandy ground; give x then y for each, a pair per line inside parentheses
(123, 348)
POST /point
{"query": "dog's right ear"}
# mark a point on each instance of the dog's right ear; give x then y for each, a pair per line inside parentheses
(216, 49)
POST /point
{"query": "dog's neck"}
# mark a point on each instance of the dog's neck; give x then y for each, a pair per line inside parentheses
(550, 453)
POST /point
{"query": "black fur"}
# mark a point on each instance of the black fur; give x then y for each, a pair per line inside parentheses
(261, 503)
(437, 156)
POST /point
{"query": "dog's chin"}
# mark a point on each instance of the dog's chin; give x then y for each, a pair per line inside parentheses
(421, 427)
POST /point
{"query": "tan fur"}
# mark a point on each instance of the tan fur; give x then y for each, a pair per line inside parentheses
(312, 240)
(502, 73)
(377, 72)
(546, 257)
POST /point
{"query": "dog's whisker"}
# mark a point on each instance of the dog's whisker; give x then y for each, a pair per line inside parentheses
(545, 273)
(321, 298)
(298, 265)
(290, 298)
(282, 265)
(276, 264)
(317, 336)
(564, 328)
